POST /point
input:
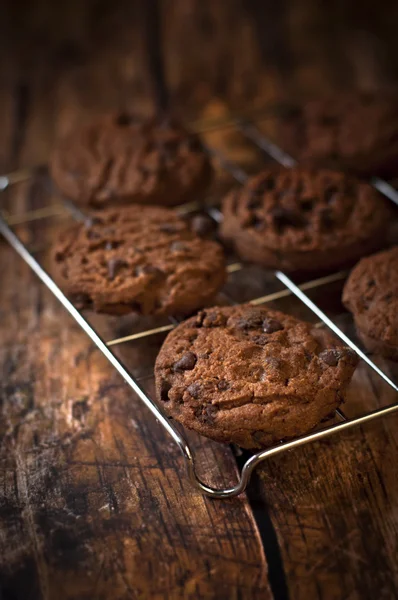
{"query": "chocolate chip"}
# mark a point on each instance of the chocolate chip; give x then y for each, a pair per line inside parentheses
(214, 319)
(202, 225)
(194, 389)
(165, 387)
(251, 319)
(114, 266)
(261, 340)
(79, 409)
(207, 413)
(285, 217)
(271, 325)
(59, 256)
(169, 227)
(249, 322)
(124, 120)
(148, 270)
(177, 247)
(274, 363)
(331, 356)
(371, 283)
(186, 362)
(223, 385)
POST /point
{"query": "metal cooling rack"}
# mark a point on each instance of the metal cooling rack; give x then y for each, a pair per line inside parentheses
(254, 135)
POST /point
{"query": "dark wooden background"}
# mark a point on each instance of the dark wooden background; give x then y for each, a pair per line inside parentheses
(94, 502)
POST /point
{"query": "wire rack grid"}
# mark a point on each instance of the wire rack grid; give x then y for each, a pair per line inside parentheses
(253, 134)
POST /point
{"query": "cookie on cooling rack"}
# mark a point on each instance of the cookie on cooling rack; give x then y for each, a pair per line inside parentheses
(356, 132)
(118, 159)
(250, 375)
(371, 294)
(303, 220)
(141, 259)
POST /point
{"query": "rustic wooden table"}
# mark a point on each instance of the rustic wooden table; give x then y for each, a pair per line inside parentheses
(94, 501)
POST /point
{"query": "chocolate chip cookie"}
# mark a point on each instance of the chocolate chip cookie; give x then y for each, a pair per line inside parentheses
(141, 259)
(118, 159)
(303, 220)
(250, 375)
(371, 294)
(357, 132)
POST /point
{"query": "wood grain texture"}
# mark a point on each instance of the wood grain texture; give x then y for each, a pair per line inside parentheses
(94, 502)
(94, 499)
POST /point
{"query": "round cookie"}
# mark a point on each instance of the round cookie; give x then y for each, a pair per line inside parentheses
(117, 159)
(371, 294)
(303, 220)
(140, 259)
(250, 375)
(356, 132)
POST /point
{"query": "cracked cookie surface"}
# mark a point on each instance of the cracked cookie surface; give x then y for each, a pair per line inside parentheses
(139, 259)
(371, 294)
(118, 159)
(251, 375)
(354, 132)
(304, 220)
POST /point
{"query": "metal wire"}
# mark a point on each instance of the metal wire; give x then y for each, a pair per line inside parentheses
(319, 313)
(93, 335)
(54, 210)
(251, 132)
(308, 285)
(16, 177)
(274, 151)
